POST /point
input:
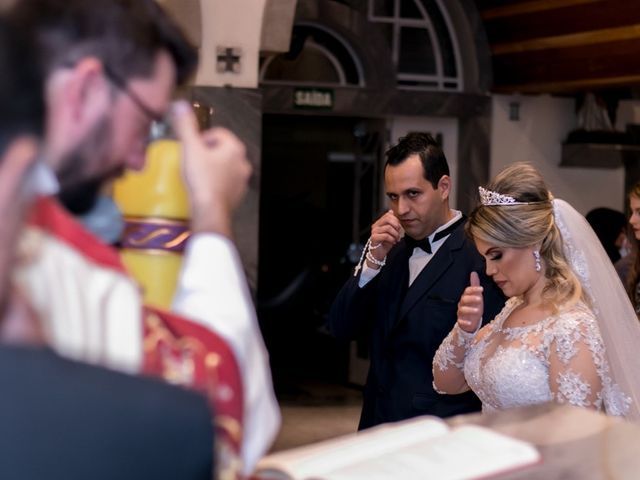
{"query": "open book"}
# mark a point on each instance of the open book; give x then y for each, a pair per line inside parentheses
(419, 448)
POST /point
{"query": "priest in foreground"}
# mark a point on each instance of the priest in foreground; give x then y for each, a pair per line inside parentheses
(110, 69)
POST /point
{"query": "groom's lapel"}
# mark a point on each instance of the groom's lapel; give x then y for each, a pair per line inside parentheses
(433, 272)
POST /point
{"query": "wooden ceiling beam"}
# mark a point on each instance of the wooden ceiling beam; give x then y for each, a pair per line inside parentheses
(569, 86)
(530, 7)
(629, 32)
(562, 46)
(563, 21)
(584, 63)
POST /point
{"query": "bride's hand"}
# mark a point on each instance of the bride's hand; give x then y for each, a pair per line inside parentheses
(471, 305)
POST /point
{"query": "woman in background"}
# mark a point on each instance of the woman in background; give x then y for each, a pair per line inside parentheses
(629, 267)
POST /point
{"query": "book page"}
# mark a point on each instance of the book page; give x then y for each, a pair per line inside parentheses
(315, 461)
(412, 450)
(468, 452)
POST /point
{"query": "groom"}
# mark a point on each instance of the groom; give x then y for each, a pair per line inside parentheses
(405, 296)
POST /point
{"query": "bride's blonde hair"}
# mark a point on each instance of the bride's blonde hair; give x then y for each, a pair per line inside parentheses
(524, 225)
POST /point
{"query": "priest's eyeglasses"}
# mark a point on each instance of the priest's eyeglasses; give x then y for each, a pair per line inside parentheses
(157, 119)
(121, 83)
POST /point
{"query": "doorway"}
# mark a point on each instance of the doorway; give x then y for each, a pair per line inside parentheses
(320, 184)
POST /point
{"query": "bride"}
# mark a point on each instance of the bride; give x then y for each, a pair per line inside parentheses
(567, 333)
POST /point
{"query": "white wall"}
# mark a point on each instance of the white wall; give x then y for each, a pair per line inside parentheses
(226, 23)
(249, 25)
(537, 138)
(628, 112)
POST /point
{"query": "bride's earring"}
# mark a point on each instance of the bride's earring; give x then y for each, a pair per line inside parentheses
(536, 255)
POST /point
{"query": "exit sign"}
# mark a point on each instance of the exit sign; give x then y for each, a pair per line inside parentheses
(316, 98)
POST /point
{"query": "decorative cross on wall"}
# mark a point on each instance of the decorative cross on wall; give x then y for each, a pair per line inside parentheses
(228, 59)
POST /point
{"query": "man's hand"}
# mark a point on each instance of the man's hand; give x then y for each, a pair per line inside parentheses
(471, 305)
(16, 192)
(215, 168)
(385, 233)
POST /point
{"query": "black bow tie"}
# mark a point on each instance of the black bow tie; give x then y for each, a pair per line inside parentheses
(424, 243)
(413, 243)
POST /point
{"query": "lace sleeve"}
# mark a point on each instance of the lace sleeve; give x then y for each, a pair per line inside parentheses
(577, 368)
(448, 362)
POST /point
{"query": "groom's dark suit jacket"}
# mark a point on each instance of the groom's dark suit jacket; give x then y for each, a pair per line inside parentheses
(63, 420)
(406, 326)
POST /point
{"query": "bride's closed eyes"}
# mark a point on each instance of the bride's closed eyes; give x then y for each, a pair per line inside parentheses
(493, 254)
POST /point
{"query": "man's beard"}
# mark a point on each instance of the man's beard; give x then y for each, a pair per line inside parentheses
(79, 190)
(81, 197)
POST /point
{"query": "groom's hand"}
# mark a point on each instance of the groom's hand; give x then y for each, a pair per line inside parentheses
(385, 233)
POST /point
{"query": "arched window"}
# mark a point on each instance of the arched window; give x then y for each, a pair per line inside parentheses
(317, 56)
(424, 51)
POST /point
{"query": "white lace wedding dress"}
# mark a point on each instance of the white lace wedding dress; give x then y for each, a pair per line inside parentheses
(561, 358)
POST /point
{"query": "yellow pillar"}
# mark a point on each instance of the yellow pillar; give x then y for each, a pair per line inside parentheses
(155, 205)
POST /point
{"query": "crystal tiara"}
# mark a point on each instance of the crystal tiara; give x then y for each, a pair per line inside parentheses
(491, 198)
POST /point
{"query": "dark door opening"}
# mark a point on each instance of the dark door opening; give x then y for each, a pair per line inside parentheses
(319, 193)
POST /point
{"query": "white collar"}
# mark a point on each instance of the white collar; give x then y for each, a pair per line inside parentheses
(457, 215)
(41, 181)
